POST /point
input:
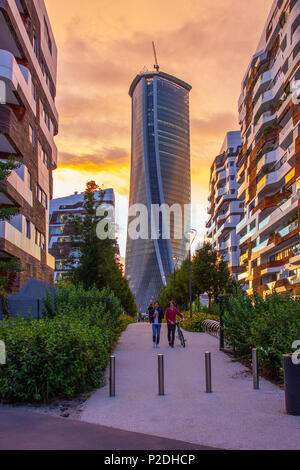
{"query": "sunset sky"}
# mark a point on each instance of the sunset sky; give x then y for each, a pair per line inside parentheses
(103, 44)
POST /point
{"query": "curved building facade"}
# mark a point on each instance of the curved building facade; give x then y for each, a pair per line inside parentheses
(161, 178)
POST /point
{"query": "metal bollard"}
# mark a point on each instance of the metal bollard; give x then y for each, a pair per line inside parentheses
(112, 376)
(161, 375)
(255, 369)
(208, 372)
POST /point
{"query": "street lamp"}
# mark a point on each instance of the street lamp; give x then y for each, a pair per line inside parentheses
(175, 259)
(164, 283)
(192, 233)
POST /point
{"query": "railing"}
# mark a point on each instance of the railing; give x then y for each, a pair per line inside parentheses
(211, 327)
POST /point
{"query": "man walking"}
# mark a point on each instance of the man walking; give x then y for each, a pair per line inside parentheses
(171, 314)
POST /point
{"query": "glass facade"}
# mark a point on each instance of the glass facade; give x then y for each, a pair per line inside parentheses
(160, 174)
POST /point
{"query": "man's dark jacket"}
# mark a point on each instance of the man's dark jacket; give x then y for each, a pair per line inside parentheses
(151, 311)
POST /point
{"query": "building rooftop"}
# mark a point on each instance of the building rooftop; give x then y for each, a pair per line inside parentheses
(148, 74)
(76, 198)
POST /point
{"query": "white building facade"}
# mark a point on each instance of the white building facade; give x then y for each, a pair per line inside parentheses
(269, 162)
(224, 208)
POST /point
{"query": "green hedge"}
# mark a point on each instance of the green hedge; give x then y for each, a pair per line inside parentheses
(270, 325)
(195, 324)
(63, 354)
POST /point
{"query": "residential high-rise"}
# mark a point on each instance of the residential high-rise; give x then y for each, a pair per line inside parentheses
(59, 234)
(269, 162)
(28, 124)
(225, 210)
(160, 175)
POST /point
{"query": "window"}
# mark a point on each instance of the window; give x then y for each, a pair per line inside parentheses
(33, 90)
(43, 156)
(42, 197)
(48, 79)
(35, 44)
(45, 116)
(31, 135)
(28, 229)
(40, 239)
(47, 36)
(30, 181)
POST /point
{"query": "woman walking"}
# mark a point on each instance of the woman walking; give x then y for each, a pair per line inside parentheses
(157, 318)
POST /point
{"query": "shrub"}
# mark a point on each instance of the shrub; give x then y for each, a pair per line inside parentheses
(276, 328)
(124, 321)
(239, 318)
(195, 324)
(270, 325)
(64, 355)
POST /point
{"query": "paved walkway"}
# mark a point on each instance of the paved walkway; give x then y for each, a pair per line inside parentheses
(234, 416)
(29, 430)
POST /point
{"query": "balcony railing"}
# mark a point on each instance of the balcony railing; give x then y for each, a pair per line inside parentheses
(290, 228)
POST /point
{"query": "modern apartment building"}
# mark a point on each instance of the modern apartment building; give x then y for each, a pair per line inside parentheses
(224, 208)
(28, 124)
(161, 176)
(59, 232)
(269, 162)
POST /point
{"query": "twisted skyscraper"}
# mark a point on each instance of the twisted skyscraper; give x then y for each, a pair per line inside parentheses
(161, 176)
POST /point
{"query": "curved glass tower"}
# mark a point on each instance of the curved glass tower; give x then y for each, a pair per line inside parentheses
(161, 176)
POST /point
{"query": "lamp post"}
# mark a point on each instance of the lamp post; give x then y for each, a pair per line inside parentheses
(192, 233)
(175, 259)
(164, 299)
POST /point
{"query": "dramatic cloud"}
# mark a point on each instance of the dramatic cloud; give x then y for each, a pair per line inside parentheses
(99, 162)
(103, 45)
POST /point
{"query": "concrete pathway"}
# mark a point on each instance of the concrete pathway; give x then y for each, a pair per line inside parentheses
(234, 416)
(29, 430)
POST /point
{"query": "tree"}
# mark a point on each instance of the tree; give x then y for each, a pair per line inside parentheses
(7, 267)
(210, 273)
(98, 260)
(181, 288)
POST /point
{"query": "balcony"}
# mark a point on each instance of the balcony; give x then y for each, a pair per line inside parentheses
(241, 171)
(260, 247)
(221, 192)
(277, 217)
(247, 236)
(270, 157)
(266, 120)
(243, 276)
(286, 135)
(13, 138)
(288, 229)
(17, 78)
(12, 11)
(241, 224)
(274, 180)
(263, 103)
(18, 239)
(242, 189)
(262, 84)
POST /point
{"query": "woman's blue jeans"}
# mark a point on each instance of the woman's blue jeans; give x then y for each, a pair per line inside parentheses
(156, 333)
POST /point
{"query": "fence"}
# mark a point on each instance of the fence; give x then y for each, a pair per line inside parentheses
(24, 306)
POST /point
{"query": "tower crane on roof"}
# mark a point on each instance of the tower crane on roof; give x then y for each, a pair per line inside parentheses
(156, 66)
